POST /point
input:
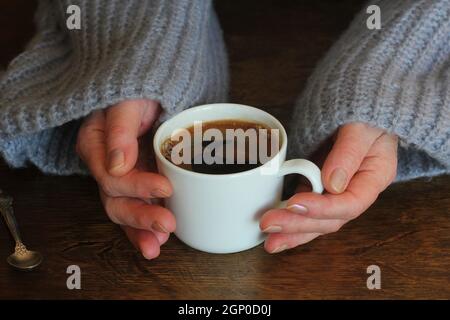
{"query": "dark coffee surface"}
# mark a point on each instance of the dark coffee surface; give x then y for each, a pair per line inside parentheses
(224, 166)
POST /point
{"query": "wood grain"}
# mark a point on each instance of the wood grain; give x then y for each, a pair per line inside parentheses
(273, 47)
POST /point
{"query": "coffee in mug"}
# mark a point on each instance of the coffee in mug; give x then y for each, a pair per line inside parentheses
(236, 146)
(220, 213)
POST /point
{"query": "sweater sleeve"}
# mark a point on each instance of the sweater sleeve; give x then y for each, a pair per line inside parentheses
(171, 51)
(396, 78)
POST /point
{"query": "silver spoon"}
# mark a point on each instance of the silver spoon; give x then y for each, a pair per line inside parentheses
(22, 258)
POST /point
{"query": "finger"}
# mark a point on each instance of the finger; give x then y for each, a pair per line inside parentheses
(279, 242)
(123, 126)
(383, 156)
(91, 149)
(285, 221)
(145, 241)
(161, 236)
(138, 214)
(352, 144)
(90, 143)
(377, 171)
(136, 184)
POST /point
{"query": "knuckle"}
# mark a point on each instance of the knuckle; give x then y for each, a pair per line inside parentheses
(116, 131)
(393, 174)
(79, 145)
(78, 148)
(357, 211)
(81, 132)
(86, 129)
(335, 226)
(352, 156)
(358, 206)
(389, 170)
(368, 201)
(140, 220)
(107, 186)
(111, 209)
(353, 214)
(83, 155)
(141, 190)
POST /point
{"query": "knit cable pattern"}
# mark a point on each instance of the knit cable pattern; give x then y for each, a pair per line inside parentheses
(396, 78)
(167, 50)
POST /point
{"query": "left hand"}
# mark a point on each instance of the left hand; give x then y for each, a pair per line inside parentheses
(361, 164)
(114, 145)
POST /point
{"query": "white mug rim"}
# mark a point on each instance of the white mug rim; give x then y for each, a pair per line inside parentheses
(157, 141)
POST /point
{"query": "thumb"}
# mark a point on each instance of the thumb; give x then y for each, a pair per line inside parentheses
(352, 144)
(123, 123)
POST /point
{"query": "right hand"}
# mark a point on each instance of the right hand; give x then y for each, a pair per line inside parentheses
(108, 144)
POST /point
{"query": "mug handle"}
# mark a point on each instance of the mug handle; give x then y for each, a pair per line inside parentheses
(307, 169)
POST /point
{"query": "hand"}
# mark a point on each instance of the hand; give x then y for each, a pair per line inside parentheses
(108, 144)
(361, 164)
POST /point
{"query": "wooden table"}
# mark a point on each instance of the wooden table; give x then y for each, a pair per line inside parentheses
(273, 47)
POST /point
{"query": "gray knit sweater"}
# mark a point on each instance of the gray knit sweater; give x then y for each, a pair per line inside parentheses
(167, 50)
(396, 78)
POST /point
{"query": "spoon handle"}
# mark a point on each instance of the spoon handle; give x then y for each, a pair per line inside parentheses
(8, 214)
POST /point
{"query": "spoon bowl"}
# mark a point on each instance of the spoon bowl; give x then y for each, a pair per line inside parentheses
(22, 258)
(27, 260)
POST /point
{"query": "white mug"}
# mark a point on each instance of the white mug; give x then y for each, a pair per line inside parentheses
(219, 213)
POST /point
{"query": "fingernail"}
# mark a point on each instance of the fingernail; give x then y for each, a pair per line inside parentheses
(116, 159)
(146, 257)
(279, 249)
(272, 229)
(159, 193)
(297, 208)
(158, 227)
(338, 180)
